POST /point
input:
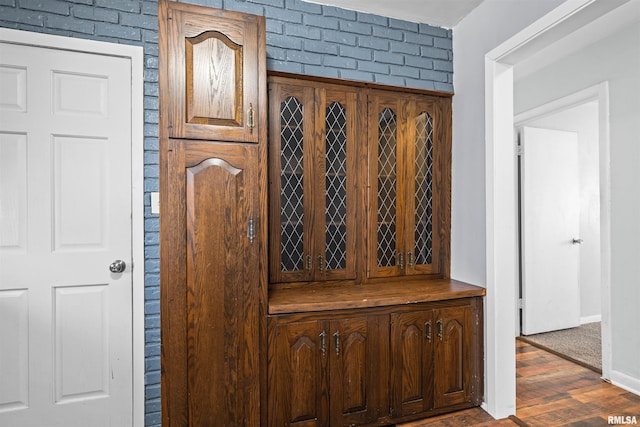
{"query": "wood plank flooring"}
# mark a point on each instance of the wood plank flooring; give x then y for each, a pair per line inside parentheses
(551, 391)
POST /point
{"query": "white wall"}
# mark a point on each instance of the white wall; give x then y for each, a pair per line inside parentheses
(615, 59)
(486, 27)
(583, 120)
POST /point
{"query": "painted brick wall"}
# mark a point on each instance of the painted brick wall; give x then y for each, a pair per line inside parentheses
(301, 38)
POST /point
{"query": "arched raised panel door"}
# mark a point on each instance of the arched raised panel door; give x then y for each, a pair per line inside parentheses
(216, 74)
(354, 349)
(210, 285)
(452, 364)
(411, 362)
(298, 395)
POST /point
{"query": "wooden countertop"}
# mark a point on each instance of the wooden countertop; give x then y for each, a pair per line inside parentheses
(318, 297)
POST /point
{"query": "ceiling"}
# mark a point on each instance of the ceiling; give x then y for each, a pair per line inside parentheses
(441, 13)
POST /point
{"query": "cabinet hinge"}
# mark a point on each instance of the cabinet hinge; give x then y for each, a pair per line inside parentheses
(251, 231)
(520, 303)
(518, 150)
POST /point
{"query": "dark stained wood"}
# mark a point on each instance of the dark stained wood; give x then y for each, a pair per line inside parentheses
(412, 337)
(381, 369)
(337, 296)
(359, 84)
(551, 391)
(354, 367)
(314, 99)
(213, 278)
(220, 99)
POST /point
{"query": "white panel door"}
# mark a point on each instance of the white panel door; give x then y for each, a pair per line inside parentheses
(65, 216)
(550, 223)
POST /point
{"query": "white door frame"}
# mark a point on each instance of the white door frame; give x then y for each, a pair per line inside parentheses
(501, 196)
(135, 55)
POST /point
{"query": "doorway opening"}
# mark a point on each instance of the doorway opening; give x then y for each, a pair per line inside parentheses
(562, 275)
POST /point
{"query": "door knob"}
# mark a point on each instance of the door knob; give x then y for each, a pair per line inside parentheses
(117, 266)
(577, 241)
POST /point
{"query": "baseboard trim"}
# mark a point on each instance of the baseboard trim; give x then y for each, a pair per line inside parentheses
(626, 382)
(591, 319)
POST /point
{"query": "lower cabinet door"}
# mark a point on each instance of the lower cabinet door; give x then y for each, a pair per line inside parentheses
(412, 335)
(298, 388)
(355, 368)
(452, 356)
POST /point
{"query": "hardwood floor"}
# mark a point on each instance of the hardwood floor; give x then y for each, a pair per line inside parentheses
(551, 391)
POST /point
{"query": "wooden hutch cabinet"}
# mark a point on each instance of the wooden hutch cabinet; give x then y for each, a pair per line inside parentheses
(213, 220)
(338, 309)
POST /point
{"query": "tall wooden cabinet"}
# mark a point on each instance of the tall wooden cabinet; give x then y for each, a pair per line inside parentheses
(213, 215)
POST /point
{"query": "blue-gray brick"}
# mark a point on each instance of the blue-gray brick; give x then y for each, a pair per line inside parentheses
(388, 58)
(276, 53)
(433, 31)
(303, 31)
(314, 70)
(445, 87)
(420, 84)
(284, 15)
(52, 6)
(320, 47)
(95, 14)
(117, 31)
(403, 25)
(20, 17)
(324, 22)
(152, 406)
(284, 42)
(389, 80)
(398, 70)
(443, 66)
(419, 62)
(150, 8)
(11, 3)
(273, 3)
(304, 57)
(69, 24)
(148, 22)
(373, 43)
(373, 67)
(287, 67)
(373, 19)
(356, 27)
(356, 75)
(349, 15)
(304, 6)
(123, 5)
(410, 49)
(419, 39)
(435, 76)
(339, 37)
(243, 6)
(356, 53)
(340, 62)
(152, 392)
(274, 26)
(442, 43)
(434, 53)
(388, 33)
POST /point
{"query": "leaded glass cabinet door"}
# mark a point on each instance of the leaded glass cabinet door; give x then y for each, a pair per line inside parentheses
(386, 198)
(291, 134)
(336, 184)
(421, 206)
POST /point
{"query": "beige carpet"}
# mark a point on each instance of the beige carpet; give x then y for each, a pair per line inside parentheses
(581, 344)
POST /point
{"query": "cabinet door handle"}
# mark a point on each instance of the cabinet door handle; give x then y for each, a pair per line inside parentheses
(411, 259)
(323, 342)
(250, 121)
(439, 328)
(321, 263)
(401, 259)
(427, 330)
(336, 342)
(309, 262)
(251, 231)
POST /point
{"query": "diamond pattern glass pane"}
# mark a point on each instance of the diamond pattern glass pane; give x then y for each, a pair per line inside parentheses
(424, 195)
(387, 197)
(291, 185)
(336, 187)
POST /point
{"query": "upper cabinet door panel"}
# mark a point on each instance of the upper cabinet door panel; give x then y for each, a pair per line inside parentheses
(217, 74)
